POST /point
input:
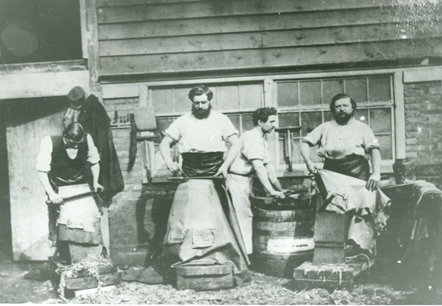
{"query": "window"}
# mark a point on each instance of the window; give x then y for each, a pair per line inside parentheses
(39, 31)
(306, 103)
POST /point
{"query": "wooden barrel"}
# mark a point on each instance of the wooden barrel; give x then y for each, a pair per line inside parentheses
(282, 239)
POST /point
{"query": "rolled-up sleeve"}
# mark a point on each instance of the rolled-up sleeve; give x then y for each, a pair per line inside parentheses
(370, 141)
(92, 155)
(253, 147)
(173, 131)
(228, 128)
(314, 136)
(44, 157)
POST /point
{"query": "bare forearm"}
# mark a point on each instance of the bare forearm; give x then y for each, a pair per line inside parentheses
(376, 161)
(305, 152)
(44, 180)
(273, 178)
(95, 169)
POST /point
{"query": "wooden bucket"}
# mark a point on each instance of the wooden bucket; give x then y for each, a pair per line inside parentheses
(282, 239)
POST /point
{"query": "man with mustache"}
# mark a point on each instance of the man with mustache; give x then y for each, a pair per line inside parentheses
(344, 143)
(253, 159)
(202, 228)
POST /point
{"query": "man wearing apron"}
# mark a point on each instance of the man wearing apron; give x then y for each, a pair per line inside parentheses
(253, 159)
(344, 143)
(68, 168)
(202, 226)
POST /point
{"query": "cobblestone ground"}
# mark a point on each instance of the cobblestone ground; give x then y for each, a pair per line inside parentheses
(376, 288)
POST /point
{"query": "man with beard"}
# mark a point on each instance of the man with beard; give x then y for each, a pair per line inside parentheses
(254, 158)
(202, 228)
(344, 143)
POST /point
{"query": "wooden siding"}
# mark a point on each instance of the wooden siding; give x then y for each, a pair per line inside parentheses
(153, 36)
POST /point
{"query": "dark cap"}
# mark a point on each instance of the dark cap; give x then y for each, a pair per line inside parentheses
(76, 93)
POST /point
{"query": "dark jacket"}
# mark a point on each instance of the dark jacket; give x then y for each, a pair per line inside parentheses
(96, 122)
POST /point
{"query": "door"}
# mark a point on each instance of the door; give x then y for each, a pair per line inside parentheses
(27, 122)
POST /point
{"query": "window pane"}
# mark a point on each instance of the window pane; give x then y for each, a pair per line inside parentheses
(247, 122)
(296, 151)
(379, 89)
(162, 100)
(251, 96)
(357, 89)
(380, 120)
(328, 115)
(309, 121)
(181, 101)
(362, 115)
(288, 119)
(386, 147)
(287, 93)
(310, 92)
(226, 97)
(330, 88)
(235, 120)
(281, 151)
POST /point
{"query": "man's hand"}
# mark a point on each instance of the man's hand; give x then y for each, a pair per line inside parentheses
(222, 171)
(98, 187)
(373, 181)
(278, 194)
(55, 198)
(312, 168)
(173, 166)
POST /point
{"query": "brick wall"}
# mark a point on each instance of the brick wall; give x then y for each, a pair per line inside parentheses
(138, 215)
(423, 127)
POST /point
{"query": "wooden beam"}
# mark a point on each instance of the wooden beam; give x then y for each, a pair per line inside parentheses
(277, 57)
(144, 11)
(90, 41)
(120, 91)
(33, 85)
(261, 40)
(237, 24)
(101, 3)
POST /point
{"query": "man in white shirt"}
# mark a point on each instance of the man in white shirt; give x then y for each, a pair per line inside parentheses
(202, 226)
(253, 159)
(344, 142)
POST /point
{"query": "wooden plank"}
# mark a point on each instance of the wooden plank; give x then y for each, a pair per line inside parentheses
(145, 11)
(116, 91)
(89, 34)
(101, 3)
(260, 40)
(45, 84)
(278, 57)
(236, 24)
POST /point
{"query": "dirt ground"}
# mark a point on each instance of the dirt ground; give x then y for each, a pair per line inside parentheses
(377, 287)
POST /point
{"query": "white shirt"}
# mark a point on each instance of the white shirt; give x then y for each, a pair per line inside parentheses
(254, 146)
(44, 158)
(201, 135)
(337, 141)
